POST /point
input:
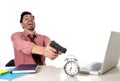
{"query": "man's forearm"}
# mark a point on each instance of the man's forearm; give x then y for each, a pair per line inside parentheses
(38, 49)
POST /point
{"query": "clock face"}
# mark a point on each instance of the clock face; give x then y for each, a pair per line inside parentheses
(71, 68)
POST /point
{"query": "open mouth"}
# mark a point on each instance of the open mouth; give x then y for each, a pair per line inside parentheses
(30, 24)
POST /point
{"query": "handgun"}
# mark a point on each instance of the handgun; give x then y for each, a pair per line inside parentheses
(58, 47)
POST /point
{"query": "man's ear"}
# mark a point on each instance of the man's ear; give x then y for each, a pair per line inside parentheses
(22, 25)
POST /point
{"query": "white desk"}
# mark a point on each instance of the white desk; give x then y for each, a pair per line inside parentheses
(51, 73)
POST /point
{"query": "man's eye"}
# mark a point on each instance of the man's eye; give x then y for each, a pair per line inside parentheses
(26, 18)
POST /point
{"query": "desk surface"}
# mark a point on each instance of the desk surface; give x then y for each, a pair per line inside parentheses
(51, 73)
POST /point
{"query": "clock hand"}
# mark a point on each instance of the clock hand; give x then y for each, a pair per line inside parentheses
(70, 68)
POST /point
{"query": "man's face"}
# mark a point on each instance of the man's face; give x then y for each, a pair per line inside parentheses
(28, 22)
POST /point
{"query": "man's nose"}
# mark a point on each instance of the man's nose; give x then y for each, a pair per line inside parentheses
(30, 19)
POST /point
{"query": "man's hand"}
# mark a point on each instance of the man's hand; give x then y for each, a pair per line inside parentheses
(51, 52)
(47, 51)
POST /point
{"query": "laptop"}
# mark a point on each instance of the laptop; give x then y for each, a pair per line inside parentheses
(111, 58)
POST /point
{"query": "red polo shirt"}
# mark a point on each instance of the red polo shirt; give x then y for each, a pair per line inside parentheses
(23, 47)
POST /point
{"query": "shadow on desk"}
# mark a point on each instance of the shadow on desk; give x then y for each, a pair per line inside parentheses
(49, 73)
(112, 75)
(71, 79)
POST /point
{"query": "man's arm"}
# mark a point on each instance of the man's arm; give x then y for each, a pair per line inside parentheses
(47, 51)
(20, 44)
(28, 47)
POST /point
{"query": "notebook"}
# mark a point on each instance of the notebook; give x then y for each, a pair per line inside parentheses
(111, 57)
(26, 68)
(9, 76)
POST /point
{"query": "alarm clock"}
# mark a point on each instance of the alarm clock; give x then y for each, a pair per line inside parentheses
(71, 67)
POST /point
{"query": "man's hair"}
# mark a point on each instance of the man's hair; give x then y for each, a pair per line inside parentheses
(24, 13)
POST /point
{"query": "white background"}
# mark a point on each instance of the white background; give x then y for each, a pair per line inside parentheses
(82, 26)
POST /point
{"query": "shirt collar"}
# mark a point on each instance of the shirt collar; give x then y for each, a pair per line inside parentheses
(27, 34)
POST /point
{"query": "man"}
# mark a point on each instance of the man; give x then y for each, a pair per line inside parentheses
(29, 46)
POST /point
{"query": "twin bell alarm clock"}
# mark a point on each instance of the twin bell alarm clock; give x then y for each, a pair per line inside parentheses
(71, 66)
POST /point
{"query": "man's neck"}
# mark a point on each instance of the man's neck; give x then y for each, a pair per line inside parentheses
(31, 32)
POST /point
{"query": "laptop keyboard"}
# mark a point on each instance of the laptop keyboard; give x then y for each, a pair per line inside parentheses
(94, 67)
